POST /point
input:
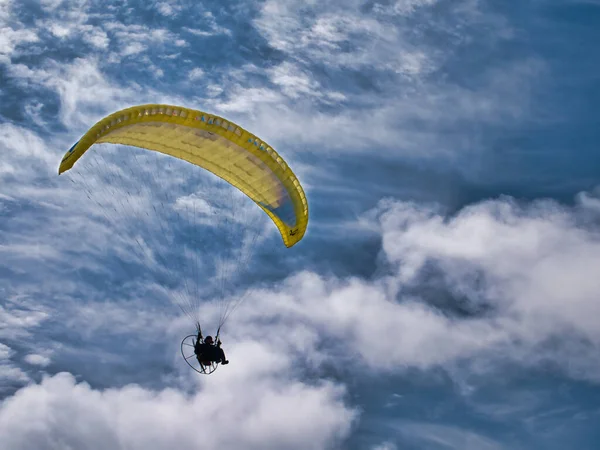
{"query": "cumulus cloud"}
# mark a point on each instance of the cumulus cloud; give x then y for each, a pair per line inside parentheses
(590, 200)
(196, 74)
(224, 415)
(37, 360)
(12, 39)
(168, 9)
(353, 313)
(519, 278)
(5, 352)
(97, 38)
(9, 372)
(532, 265)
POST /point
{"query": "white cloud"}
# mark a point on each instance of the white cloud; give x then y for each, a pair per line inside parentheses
(210, 27)
(85, 92)
(198, 32)
(16, 322)
(590, 200)
(404, 7)
(5, 352)
(133, 48)
(363, 320)
(392, 95)
(34, 251)
(11, 39)
(25, 152)
(5, 9)
(335, 35)
(168, 9)
(97, 38)
(50, 5)
(412, 120)
(59, 30)
(295, 83)
(9, 373)
(242, 100)
(37, 360)
(494, 239)
(445, 436)
(135, 39)
(70, 21)
(221, 415)
(385, 446)
(196, 74)
(534, 265)
(294, 93)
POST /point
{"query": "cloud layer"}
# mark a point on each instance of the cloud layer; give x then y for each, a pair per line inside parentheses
(61, 412)
(452, 102)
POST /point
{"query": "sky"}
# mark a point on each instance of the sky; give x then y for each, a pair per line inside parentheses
(445, 296)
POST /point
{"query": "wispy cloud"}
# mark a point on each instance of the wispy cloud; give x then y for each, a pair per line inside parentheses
(532, 265)
(210, 26)
(134, 39)
(390, 92)
(441, 436)
(84, 91)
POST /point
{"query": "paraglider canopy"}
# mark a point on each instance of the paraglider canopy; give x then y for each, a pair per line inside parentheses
(215, 144)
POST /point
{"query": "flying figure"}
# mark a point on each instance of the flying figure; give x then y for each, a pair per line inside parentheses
(208, 352)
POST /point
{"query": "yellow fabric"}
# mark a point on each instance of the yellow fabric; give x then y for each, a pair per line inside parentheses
(215, 144)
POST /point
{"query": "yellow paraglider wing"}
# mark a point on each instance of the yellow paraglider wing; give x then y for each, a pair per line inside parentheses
(215, 144)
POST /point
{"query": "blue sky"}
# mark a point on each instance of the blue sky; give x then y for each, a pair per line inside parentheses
(446, 294)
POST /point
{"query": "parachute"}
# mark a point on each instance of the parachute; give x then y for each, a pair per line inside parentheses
(228, 165)
(215, 144)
